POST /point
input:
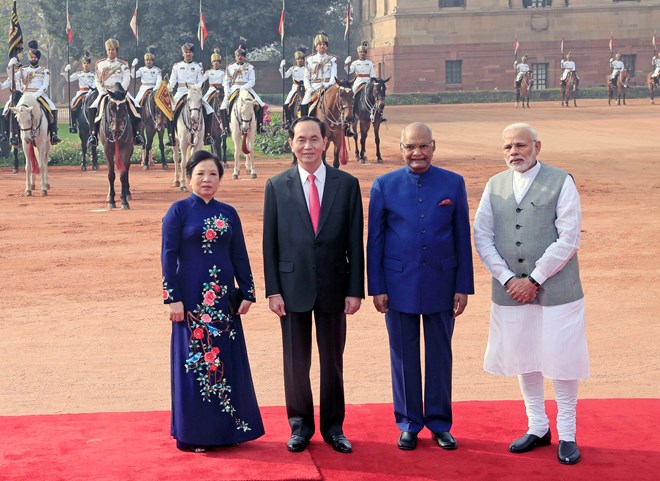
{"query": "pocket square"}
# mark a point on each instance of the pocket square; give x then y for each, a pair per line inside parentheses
(445, 202)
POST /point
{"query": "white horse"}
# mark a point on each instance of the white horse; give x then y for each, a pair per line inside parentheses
(189, 133)
(34, 131)
(243, 129)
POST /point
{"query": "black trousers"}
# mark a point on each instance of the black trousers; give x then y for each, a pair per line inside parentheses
(297, 351)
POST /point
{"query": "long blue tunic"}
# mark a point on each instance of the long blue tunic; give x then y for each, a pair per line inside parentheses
(213, 398)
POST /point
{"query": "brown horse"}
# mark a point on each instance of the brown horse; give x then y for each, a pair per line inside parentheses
(368, 110)
(524, 92)
(155, 123)
(219, 126)
(335, 110)
(569, 89)
(116, 133)
(618, 92)
(650, 81)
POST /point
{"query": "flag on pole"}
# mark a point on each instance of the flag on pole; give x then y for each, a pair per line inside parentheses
(348, 20)
(516, 45)
(561, 46)
(15, 34)
(134, 23)
(69, 31)
(611, 43)
(280, 28)
(202, 31)
(653, 41)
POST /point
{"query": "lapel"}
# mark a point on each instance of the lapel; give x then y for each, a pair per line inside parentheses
(299, 205)
(329, 191)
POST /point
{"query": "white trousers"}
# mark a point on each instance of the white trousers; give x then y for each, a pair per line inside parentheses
(531, 386)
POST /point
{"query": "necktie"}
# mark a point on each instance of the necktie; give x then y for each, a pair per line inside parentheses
(314, 202)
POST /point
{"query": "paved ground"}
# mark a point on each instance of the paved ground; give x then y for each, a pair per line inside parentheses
(83, 328)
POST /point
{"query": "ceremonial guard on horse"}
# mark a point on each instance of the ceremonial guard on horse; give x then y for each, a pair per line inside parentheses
(297, 74)
(86, 83)
(150, 76)
(241, 76)
(5, 120)
(186, 73)
(617, 66)
(34, 80)
(216, 77)
(109, 72)
(521, 69)
(568, 66)
(320, 72)
(363, 70)
(655, 62)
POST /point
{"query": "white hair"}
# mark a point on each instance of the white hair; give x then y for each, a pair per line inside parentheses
(522, 126)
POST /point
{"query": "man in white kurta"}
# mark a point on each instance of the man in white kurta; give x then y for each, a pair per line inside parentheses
(655, 62)
(150, 76)
(521, 69)
(297, 74)
(320, 71)
(568, 66)
(537, 319)
(617, 66)
(86, 79)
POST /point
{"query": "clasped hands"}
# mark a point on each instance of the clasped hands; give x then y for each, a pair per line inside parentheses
(521, 289)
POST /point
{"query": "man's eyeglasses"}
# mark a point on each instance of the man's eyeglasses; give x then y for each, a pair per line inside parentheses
(413, 147)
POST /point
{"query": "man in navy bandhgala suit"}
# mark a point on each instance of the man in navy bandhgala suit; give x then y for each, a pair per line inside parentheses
(419, 263)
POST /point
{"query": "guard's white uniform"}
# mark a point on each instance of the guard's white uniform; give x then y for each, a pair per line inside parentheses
(297, 74)
(617, 67)
(363, 70)
(108, 73)
(150, 78)
(655, 61)
(187, 73)
(216, 78)
(34, 81)
(568, 66)
(86, 82)
(7, 84)
(240, 77)
(521, 68)
(320, 72)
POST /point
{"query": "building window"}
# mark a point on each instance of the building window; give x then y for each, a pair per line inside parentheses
(540, 75)
(537, 3)
(629, 61)
(451, 3)
(453, 70)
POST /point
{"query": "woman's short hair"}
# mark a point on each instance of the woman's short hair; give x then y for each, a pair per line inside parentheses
(200, 156)
(306, 118)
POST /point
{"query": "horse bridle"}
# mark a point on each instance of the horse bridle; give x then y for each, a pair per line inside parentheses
(239, 116)
(332, 121)
(32, 129)
(191, 126)
(375, 107)
(111, 134)
(152, 109)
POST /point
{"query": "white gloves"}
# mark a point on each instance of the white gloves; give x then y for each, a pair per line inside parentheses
(12, 62)
(282, 63)
(134, 63)
(348, 59)
(67, 69)
(611, 60)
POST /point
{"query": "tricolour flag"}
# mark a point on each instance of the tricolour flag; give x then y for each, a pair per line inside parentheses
(561, 46)
(348, 20)
(611, 43)
(134, 23)
(653, 41)
(280, 27)
(69, 30)
(516, 45)
(15, 34)
(202, 31)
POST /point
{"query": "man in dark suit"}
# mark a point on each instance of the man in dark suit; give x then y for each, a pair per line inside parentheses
(419, 263)
(313, 263)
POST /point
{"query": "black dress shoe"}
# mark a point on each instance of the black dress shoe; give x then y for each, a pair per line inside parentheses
(445, 440)
(568, 452)
(339, 443)
(297, 443)
(529, 442)
(407, 441)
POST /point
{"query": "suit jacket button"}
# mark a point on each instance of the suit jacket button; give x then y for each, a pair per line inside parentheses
(521, 260)
(518, 226)
(519, 210)
(518, 243)
(421, 215)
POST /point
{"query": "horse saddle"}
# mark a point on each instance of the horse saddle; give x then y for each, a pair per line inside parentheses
(144, 97)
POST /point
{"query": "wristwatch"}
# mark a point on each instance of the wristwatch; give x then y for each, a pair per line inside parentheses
(533, 281)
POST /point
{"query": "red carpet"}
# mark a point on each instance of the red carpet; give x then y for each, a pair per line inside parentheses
(618, 438)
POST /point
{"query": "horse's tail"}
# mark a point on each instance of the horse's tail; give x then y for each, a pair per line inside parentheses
(244, 145)
(32, 157)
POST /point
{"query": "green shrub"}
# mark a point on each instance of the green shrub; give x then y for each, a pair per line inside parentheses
(274, 141)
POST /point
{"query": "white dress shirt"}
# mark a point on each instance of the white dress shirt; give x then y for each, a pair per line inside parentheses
(320, 174)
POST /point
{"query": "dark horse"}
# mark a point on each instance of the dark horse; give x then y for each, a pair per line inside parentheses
(335, 109)
(569, 89)
(292, 109)
(650, 81)
(219, 127)
(13, 129)
(368, 109)
(154, 122)
(524, 92)
(81, 117)
(618, 91)
(116, 133)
